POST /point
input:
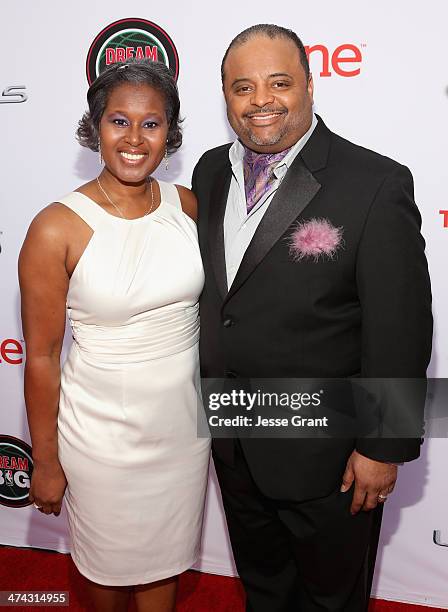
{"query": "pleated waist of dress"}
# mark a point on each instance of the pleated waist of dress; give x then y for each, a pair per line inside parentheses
(159, 335)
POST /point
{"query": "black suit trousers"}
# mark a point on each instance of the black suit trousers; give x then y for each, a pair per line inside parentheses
(309, 556)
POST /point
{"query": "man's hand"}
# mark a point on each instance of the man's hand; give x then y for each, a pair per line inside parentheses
(372, 479)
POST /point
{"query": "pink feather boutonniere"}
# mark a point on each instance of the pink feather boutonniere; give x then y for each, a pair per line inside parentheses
(315, 238)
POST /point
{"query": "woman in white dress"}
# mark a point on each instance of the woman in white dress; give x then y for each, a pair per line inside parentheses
(116, 428)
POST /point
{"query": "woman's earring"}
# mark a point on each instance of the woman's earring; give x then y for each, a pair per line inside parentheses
(166, 159)
(101, 155)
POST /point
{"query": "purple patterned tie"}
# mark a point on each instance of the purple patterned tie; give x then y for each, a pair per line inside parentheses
(259, 174)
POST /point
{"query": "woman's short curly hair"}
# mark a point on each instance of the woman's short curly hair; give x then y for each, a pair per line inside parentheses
(136, 72)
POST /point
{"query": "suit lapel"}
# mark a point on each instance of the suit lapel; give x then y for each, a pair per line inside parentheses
(296, 191)
(218, 201)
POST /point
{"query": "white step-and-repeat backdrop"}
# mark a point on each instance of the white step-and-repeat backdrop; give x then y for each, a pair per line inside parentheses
(380, 80)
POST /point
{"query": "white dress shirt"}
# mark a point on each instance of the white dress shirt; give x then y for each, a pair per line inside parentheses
(239, 227)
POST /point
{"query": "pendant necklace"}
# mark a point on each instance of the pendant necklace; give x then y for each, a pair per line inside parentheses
(148, 212)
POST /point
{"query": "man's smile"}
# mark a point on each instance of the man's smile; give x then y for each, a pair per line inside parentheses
(265, 119)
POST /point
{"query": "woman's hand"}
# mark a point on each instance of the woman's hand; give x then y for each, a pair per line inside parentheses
(48, 484)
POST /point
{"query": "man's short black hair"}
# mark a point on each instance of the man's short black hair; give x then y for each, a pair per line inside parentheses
(272, 31)
(135, 72)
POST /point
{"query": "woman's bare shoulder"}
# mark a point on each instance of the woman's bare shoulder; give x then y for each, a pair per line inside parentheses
(188, 201)
(53, 224)
(57, 216)
(46, 240)
(50, 220)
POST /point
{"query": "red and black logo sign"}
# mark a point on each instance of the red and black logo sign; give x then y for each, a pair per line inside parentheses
(16, 467)
(129, 38)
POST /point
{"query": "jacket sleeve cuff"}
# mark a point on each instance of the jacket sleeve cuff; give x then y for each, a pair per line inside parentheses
(390, 450)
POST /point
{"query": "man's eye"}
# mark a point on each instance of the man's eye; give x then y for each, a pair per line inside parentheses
(280, 84)
(243, 89)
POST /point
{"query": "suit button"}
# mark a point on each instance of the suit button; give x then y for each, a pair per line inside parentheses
(230, 374)
(228, 322)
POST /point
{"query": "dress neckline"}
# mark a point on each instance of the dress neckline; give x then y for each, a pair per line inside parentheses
(162, 201)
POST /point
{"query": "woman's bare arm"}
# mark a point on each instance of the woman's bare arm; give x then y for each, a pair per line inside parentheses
(43, 285)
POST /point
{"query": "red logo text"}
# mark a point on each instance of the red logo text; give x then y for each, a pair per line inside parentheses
(14, 463)
(121, 54)
(11, 351)
(445, 217)
(344, 60)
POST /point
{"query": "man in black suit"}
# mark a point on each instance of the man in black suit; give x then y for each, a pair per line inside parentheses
(315, 268)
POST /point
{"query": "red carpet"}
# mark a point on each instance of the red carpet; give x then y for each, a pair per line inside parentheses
(30, 569)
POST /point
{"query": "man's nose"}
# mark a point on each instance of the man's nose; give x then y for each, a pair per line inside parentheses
(261, 96)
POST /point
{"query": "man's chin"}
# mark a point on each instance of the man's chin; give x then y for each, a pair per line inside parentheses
(267, 141)
(263, 145)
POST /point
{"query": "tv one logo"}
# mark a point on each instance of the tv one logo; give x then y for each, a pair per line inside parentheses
(345, 60)
(11, 352)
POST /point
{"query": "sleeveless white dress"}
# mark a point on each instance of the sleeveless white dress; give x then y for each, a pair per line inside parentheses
(130, 396)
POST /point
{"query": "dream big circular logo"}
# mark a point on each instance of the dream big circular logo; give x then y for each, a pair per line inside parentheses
(16, 467)
(127, 38)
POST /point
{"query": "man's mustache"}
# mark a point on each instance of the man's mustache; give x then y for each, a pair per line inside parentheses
(266, 111)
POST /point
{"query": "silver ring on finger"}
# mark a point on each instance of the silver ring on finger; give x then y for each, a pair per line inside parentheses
(382, 498)
(37, 507)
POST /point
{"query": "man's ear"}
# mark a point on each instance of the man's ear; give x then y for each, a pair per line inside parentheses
(310, 87)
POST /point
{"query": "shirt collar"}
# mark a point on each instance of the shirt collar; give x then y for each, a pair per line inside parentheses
(236, 151)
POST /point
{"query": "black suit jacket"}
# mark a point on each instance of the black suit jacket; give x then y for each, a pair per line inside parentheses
(366, 312)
